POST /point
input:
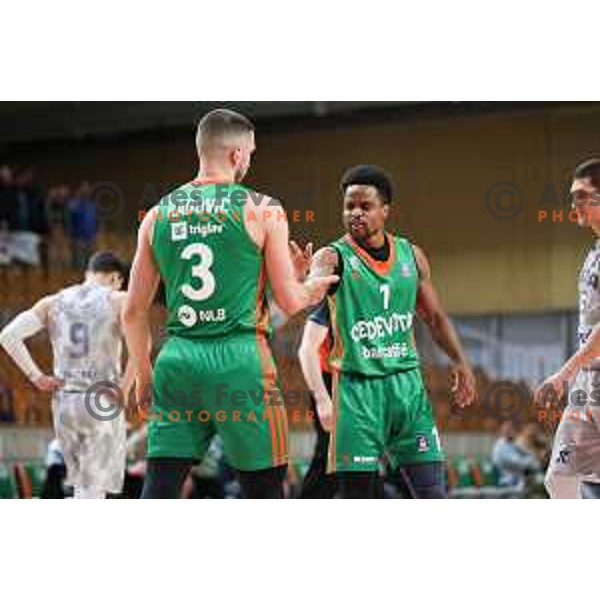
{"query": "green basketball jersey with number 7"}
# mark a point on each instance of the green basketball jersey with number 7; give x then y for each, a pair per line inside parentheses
(373, 309)
(214, 273)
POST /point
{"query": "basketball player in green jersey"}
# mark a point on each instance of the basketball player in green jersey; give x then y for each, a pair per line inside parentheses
(378, 405)
(215, 244)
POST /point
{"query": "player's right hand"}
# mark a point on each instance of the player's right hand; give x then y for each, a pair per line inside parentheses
(143, 391)
(48, 383)
(325, 413)
(317, 287)
(464, 387)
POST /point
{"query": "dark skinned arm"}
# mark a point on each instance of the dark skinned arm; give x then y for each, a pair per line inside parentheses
(431, 312)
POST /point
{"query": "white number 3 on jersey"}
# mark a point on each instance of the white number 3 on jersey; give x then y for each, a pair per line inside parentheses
(200, 271)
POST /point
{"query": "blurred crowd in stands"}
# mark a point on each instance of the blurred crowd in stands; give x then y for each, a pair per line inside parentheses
(57, 226)
(521, 454)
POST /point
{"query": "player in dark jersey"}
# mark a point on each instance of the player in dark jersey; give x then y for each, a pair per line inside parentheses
(215, 244)
(379, 406)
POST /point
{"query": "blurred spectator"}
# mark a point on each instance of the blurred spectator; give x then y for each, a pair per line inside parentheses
(7, 195)
(532, 440)
(56, 208)
(38, 215)
(83, 226)
(21, 220)
(515, 464)
(7, 407)
(7, 203)
(28, 224)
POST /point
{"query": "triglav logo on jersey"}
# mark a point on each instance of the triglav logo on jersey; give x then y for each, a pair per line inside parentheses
(179, 232)
(205, 230)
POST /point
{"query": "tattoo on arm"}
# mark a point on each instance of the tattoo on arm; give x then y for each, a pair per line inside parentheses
(325, 262)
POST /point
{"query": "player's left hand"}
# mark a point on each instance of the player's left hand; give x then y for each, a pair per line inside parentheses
(301, 259)
(48, 383)
(464, 389)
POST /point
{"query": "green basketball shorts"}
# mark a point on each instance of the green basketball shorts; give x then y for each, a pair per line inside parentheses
(226, 387)
(378, 417)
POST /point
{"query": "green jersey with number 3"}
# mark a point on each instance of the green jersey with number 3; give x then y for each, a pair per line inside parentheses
(373, 309)
(214, 273)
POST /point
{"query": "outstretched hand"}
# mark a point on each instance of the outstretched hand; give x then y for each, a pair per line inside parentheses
(301, 259)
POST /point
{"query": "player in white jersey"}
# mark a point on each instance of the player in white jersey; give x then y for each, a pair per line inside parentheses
(84, 326)
(574, 469)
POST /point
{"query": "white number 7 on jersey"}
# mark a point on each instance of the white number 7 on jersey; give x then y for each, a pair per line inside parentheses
(385, 290)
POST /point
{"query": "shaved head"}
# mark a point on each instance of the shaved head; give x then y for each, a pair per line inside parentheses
(225, 142)
(220, 129)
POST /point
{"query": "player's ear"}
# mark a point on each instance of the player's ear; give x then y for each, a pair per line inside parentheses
(236, 156)
(116, 281)
(386, 210)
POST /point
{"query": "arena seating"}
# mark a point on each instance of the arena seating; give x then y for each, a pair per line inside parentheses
(8, 484)
(476, 477)
(23, 480)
